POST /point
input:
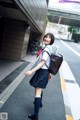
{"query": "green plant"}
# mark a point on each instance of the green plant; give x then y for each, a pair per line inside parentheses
(72, 29)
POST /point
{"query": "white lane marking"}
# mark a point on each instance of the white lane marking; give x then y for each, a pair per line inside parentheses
(67, 74)
(1, 102)
(72, 90)
(71, 48)
(65, 95)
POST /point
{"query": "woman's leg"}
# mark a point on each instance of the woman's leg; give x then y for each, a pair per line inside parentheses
(38, 92)
(37, 101)
(41, 97)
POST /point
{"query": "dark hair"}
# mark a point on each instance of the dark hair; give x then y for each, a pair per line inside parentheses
(51, 36)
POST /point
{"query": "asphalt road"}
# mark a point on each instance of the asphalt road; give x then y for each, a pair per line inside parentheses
(71, 54)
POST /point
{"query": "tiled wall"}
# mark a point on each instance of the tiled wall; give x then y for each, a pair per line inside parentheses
(14, 44)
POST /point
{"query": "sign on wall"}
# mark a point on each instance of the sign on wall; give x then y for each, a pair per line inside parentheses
(69, 1)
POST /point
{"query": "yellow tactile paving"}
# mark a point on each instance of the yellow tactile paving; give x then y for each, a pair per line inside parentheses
(69, 117)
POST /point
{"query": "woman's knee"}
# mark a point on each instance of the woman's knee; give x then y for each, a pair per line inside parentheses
(38, 92)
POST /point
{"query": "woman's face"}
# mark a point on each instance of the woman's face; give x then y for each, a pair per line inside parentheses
(47, 40)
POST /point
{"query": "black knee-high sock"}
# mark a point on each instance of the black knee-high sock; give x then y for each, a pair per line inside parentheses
(37, 105)
(41, 96)
(41, 99)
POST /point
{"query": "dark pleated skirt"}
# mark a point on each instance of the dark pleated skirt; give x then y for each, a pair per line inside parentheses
(40, 78)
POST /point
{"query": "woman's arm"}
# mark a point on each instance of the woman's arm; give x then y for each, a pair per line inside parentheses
(28, 73)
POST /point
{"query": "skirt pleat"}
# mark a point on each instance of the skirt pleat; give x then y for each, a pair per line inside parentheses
(40, 78)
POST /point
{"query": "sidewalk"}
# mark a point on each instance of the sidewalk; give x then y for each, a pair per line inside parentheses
(20, 103)
(8, 66)
(10, 82)
(17, 99)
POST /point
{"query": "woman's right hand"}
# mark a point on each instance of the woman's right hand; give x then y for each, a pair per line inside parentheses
(28, 73)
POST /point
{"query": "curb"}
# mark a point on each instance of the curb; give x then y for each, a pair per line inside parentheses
(10, 89)
(71, 93)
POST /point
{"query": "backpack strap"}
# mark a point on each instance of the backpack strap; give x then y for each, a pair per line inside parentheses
(46, 51)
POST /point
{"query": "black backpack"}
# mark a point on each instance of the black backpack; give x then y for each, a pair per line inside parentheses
(55, 63)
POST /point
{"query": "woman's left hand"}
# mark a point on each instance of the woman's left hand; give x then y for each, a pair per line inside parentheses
(49, 76)
(28, 73)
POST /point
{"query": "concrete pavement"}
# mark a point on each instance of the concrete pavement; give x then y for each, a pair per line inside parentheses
(58, 100)
(20, 103)
(17, 99)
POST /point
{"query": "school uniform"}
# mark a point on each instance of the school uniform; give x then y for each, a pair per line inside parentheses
(40, 78)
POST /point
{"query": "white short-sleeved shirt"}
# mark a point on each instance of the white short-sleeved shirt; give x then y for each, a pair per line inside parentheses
(45, 56)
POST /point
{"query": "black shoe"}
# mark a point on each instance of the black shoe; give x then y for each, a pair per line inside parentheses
(33, 117)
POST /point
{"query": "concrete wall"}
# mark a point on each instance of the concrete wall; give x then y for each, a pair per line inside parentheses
(1, 30)
(18, 16)
(15, 39)
(35, 11)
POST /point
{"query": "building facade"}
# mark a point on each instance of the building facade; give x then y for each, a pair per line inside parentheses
(21, 21)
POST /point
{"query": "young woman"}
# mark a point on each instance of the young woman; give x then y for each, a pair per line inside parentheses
(40, 78)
